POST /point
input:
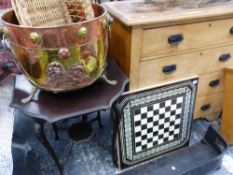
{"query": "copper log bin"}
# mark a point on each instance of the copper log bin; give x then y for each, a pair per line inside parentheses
(60, 58)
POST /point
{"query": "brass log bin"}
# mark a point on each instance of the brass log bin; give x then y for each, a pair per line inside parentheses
(60, 58)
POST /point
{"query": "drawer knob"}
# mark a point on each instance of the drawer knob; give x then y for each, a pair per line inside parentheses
(175, 39)
(169, 69)
(214, 83)
(224, 57)
(205, 107)
(231, 31)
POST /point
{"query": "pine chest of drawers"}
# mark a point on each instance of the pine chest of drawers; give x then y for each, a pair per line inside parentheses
(155, 42)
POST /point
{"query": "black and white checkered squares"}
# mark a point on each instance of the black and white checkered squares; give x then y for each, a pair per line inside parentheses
(157, 124)
(155, 121)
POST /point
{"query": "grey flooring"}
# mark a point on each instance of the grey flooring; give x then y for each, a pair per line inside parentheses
(88, 157)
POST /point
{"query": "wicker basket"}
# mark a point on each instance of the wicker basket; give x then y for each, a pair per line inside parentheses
(41, 12)
(53, 12)
(80, 10)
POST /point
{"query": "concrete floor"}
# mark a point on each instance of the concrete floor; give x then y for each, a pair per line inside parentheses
(89, 157)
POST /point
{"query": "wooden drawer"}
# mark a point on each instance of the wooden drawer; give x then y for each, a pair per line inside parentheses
(196, 63)
(195, 35)
(208, 105)
(210, 84)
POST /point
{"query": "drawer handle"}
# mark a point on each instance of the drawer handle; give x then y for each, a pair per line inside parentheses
(214, 83)
(169, 69)
(231, 30)
(205, 107)
(224, 57)
(175, 39)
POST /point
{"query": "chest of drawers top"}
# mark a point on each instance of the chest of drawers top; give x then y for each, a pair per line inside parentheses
(164, 12)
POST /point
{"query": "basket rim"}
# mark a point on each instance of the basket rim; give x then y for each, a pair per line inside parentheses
(55, 26)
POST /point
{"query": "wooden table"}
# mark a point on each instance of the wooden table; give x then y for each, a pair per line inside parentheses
(49, 107)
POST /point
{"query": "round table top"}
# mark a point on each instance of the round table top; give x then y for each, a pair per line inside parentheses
(54, 107)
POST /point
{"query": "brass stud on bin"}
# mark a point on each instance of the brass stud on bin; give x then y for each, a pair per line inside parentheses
(63, 53)
(35, 38)
(82, 33)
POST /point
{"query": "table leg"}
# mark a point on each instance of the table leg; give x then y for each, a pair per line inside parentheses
(55, 129)
(115, 126)
(84, 118)
(99, 120)
(116, 156)
(39, 130)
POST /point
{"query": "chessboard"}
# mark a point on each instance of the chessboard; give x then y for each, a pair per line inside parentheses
(155, 121)
(157, 124)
